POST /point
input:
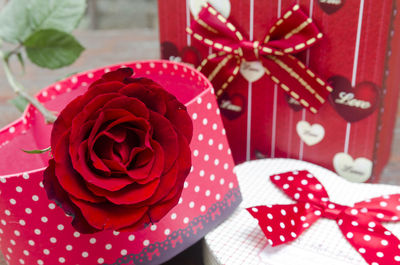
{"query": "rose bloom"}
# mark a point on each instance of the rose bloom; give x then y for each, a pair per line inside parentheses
(120, 154)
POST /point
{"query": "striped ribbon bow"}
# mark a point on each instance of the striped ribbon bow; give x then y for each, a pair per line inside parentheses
(292, 33)
(360, 224)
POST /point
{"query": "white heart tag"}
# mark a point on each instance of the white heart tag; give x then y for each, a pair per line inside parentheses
(252, 71)
(358, 170)
(222, 6)
(310, 134)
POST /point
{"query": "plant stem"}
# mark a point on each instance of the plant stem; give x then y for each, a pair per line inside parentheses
(19, 90)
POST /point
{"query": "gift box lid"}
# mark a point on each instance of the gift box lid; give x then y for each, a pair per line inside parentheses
(239, 240)
(33, 230)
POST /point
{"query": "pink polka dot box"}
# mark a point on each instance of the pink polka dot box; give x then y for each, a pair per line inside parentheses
(33, 230)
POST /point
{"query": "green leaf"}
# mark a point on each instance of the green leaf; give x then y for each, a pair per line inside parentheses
(63, 15)
(52, 49)
(14, 21)
(20, 103)
(38, 151)
(21, 18)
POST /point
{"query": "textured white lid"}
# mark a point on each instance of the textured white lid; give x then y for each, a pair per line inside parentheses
(239, 240)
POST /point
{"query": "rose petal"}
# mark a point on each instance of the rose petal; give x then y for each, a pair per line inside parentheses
(152, 169)
(103, 147)
(138, 141)
(141, 224)
(81, 225)
(109, 216)
(68, 178)
(173, 181)
(141, 156)
(167, 183)
(113, 117)
(115, 165)
(116, 116)
(116, 75)
(76, 143)
(56, 193)
(177, 114)
(158, 211)
(131, 194)
(165, 135)
(118, 134)
(109, 183)
(133, 105)
(79, 131)
(184, 159)
(66, 116)
(149, 96)
(107, 102)
(122, 151)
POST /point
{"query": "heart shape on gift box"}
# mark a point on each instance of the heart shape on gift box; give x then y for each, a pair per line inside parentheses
(310, 134)
(232, 106)
(353, 104)
(293, 104)
(222, 6)
(331, 6)
(252, 71)
(355, 170)
(189, 55)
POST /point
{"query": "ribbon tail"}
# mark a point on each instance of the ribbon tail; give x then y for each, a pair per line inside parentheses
(221, 69)
(384, 209)
(298, 81)
(284, 223)
(370, 239)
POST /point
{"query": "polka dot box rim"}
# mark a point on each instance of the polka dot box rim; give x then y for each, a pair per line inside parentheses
(33, 230)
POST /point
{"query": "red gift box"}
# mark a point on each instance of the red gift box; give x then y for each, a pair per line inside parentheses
(33, 230)
(359, 56)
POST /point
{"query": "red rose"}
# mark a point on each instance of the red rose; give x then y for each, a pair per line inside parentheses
(120, 154)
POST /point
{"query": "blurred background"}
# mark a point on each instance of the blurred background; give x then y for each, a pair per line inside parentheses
(112, 31)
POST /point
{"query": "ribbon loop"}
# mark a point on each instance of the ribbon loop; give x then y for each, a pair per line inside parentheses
(360, 224)
(301, 186)
(292, 33)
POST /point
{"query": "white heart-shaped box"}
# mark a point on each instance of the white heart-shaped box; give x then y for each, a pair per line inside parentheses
(240, 241)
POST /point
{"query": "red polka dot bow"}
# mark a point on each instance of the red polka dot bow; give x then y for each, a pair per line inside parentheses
(360, 224)
(292, 33)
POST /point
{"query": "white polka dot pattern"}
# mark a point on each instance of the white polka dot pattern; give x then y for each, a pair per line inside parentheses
(36, 231)
(355, 225)
(239, 240)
